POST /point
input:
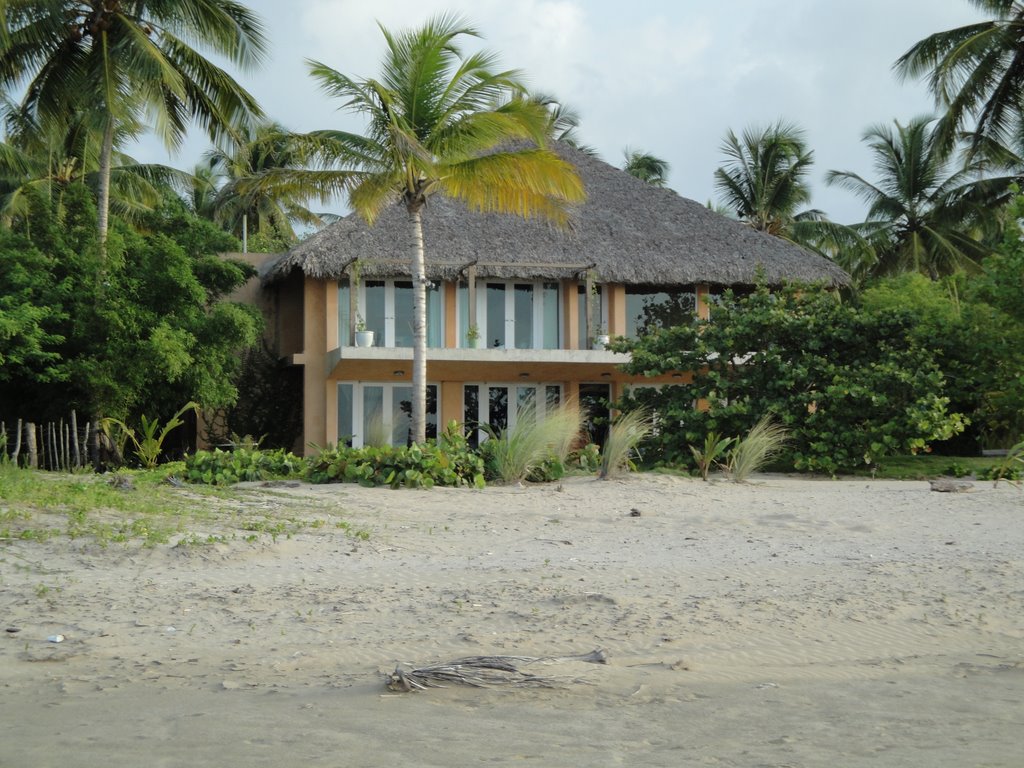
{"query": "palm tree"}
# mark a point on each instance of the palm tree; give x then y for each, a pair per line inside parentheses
(240, 201)
(441, 122)
(646, 167)
(48, 158)
(922, 215)
(126, 59)
(975, 72)
(765, 178)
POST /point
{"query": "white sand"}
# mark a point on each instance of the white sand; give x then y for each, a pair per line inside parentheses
(788, 622)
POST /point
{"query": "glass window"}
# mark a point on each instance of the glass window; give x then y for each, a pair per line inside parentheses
(649, 307)
(373, 308)
(495, 331)
(435, 329)
(471, 413)
(552, 396)
(526, 402)
(344, 414)
(523, 315)
(403, 314)
(497, 410)
(375, 431)
(549, 304)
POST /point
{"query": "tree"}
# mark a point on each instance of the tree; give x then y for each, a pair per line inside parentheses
(975, 72)
(154, 335)
(646, 167)
(849, 386)
(765, 178)
(923, 216)
(240, 203)
(441, 122)
(49, 158)
(123, 59)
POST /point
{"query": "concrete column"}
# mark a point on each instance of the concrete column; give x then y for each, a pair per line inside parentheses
(314, 360)
(570, 315)
(703, 292)
(449, 401)
(615, 298)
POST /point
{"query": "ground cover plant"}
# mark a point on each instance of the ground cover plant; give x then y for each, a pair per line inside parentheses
(142, 508)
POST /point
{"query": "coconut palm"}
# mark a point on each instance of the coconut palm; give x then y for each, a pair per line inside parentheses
(441, 122)
(975, 72)
(240, 202)
(765, 178)
(646, 167)
(46, 159)
(126, 59)
(924, 213)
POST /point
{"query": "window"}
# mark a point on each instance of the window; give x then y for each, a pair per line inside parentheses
(513, 315)
(649, 307)
(386, 306)
(380, 414)
(501, 406)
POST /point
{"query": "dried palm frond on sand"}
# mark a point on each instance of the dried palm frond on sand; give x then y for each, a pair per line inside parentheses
(484, 672)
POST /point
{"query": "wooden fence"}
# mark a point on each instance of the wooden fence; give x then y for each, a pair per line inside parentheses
(62, 446)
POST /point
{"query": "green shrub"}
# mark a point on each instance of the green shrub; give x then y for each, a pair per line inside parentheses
(850, 386)
(714, 448)
(219, 467)
(417, 466)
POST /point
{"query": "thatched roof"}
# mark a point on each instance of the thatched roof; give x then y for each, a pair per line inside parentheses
(627, 231)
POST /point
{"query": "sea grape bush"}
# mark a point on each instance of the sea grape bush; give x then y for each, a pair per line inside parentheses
(219, 467)
(848, 386)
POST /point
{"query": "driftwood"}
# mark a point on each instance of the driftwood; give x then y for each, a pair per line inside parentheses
(483, 672)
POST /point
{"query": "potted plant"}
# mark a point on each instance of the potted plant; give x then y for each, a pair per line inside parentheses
(601, 338)
(473, 336)
(364, 337)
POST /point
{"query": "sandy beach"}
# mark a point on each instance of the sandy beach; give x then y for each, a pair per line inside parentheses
(784, 622)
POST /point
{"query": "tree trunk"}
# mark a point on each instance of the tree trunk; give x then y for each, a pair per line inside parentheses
(419, 329)
(30, 444)
(103, 201)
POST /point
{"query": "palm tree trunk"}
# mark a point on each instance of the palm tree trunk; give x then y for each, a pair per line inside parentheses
(419, 329)
(103, 203)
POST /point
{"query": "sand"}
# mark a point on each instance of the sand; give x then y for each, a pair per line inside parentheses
(784, 622)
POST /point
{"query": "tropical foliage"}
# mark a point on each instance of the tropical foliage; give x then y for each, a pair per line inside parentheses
(976, 74)
(764, 180)
(118, 62)
(154, 334)
(646, 167)
(924, 213)
(849, 387)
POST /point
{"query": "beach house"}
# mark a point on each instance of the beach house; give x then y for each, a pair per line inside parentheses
(517, 310)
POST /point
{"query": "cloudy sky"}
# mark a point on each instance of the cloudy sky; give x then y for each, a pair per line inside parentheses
(666, 76)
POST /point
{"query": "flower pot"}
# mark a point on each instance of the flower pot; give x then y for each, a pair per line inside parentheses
(601, 341)
(364, 338)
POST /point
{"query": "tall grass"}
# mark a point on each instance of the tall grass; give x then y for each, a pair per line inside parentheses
(764, 441)
(514, 453)
(624, 435)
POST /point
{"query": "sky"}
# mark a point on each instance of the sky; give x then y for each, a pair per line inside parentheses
(669, 77)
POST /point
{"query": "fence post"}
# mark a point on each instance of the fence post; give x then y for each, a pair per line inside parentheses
(17, 444)
(30, 443)
(77, 457)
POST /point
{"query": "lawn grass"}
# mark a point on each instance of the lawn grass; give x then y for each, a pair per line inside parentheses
(142, 507)
(926, 466)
